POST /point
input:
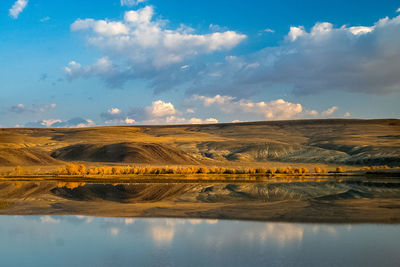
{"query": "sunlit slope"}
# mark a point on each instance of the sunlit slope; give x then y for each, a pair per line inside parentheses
(364, 142)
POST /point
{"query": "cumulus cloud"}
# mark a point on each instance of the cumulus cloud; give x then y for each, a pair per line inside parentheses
(277, 109)
(329, 111)
(296, 32)
(218, 99)
(100, 27)
(145, 45)
(160, 109)
(21, 108)
(202, 109)
(114, 111)
(115, 116)
(17, 8)
(242, 109)
(362, 59)
(201, 121)
(159, 112)
(57, 123)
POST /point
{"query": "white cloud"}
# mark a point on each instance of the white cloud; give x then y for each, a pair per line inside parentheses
(140, 38)
(329, 111)
(398, 10)
(322, 58)
(161, 109)
(131, 2)
(114, 111)
(361, 30)
(278, 109)
(202, 109)
(57, 123)
(347, 114)
(218, 99)
(360, 58)
(129, 121)
(17, 8)
(180, 120)
(101, 27)
(49, 123)
(241, 109)
(269, 30)
(296, 32)
(159, 112)
(321, 28)
(146, 46)
(115, 116)
(126, 121)
(363, 59)
(312, 113)
(201, 121)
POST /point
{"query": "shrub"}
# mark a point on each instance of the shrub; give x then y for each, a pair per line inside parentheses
(260, 170)
(203, 170)
(18, 170)
(72, 169)
(81, 169)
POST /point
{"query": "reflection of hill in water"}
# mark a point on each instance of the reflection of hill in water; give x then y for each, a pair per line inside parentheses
(311, 201)
(200, 192)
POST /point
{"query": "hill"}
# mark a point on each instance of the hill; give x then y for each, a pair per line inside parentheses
(332, 141)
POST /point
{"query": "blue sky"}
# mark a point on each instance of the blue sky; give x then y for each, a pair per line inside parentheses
(112, 62)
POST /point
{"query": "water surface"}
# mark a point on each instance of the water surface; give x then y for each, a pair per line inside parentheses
(97, 241)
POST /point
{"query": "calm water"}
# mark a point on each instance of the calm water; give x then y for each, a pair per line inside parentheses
(90, 241)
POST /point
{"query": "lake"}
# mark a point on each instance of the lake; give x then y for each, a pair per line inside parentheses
(100, 241)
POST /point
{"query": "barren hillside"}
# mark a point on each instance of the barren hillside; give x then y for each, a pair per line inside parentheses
(353, 142)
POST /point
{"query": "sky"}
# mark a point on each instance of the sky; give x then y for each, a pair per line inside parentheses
(132, 62)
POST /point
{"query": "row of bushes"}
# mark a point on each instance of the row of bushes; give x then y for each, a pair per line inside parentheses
(74, 169)
(375, 167)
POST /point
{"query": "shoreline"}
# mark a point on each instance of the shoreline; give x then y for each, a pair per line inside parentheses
(197, 178)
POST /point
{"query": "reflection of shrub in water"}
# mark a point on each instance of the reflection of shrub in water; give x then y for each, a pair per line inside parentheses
(4, 205)
(339, 169)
